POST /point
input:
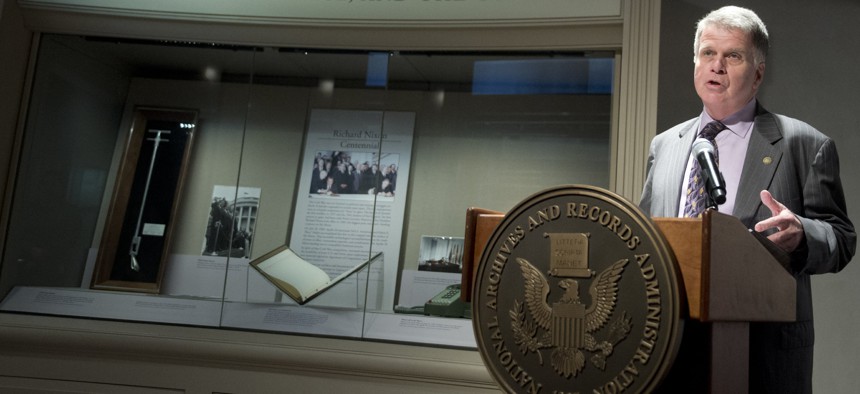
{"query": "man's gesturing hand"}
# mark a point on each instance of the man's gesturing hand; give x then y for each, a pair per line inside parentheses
(789, 229)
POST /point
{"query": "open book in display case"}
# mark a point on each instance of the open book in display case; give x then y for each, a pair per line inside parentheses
(296, 277)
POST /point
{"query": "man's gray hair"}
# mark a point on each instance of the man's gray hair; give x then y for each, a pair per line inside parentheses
(736, 18)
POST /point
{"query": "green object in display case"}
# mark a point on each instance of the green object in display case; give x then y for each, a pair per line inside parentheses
(447, 303)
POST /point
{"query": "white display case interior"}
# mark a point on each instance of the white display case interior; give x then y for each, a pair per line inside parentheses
(336, 154)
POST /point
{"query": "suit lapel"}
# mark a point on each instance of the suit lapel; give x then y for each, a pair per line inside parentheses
(762, 159)
(680, 151)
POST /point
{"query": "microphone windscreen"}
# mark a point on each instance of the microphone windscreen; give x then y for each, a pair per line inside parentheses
(702, 145)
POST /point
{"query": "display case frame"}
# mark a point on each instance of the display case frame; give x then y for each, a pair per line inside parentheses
(612, 45)
(278, 155)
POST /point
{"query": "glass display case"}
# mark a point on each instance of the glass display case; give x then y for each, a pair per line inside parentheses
(154, 176)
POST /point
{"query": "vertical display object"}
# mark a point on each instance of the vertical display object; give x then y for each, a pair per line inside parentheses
(136, 239)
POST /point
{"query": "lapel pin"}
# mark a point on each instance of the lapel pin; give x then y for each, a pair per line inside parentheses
(767, 160)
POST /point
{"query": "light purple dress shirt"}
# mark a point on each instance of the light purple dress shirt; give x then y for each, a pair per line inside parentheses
(732, 145)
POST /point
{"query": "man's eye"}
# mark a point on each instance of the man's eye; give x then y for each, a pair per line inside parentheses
(735, 58)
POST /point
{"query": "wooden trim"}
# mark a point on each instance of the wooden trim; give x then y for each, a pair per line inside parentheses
(345, 12)
(637, 97)
(567, 34)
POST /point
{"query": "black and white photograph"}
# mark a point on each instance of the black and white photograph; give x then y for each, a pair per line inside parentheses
(232, 215)
(441, 254)
(366, 173)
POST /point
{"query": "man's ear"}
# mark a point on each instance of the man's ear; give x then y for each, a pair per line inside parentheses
(759, 74)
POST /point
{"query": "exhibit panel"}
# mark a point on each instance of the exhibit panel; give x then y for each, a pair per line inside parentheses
(353, 167)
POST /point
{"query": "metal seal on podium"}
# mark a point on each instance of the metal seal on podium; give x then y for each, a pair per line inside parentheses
(577, 292)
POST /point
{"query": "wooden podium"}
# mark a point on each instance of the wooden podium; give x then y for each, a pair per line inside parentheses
(731, 277)
(480, 224)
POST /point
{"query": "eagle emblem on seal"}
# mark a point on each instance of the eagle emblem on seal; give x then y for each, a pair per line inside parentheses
(569, 326)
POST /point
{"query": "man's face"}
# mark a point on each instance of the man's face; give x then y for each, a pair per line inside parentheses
(726, 74)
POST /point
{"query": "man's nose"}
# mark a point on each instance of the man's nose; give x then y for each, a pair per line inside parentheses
(718, 65)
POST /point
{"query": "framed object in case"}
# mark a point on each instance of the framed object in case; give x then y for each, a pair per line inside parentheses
(136, 240)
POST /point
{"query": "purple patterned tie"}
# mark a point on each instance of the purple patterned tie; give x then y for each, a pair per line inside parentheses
(697, 197)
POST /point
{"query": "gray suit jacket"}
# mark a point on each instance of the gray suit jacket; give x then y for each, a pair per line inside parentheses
(800, 167)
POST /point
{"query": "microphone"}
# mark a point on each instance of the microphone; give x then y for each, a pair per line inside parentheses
(703, 150)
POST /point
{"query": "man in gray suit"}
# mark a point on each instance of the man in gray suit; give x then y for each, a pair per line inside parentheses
(781, 178)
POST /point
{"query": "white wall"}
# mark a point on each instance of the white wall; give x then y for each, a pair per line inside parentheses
(811, 75)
